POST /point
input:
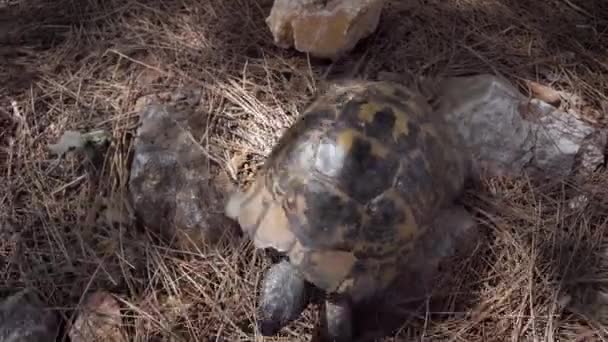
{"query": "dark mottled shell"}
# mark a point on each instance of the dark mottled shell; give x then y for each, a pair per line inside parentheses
(358, 177)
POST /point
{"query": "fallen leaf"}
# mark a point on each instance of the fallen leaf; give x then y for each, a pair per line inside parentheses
(544, 93)
(76, 141)
(98, 320)
(70, 140)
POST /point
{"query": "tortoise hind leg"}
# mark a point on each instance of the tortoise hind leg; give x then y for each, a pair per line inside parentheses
(284, 295)
(336, 320)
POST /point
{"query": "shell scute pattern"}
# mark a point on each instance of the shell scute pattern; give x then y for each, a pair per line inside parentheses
(365, 173)
(359, 176)
(325, 219)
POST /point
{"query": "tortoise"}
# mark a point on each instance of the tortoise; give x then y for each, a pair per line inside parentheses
(344, 196)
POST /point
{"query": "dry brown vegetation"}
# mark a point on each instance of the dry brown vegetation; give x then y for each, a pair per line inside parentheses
(81, 65)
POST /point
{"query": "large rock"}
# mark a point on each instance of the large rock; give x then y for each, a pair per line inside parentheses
(509, 133)
(25, 318)
(325, 29)
(171, 185)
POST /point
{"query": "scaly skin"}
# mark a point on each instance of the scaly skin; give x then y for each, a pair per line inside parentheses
(283, 297)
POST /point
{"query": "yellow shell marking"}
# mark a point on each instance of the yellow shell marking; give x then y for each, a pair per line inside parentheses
(368, 110)
(408, 229)
(367, 113)
(347, 137)
(400, 128)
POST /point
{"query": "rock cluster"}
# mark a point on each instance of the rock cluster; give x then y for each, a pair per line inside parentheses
(171, 185)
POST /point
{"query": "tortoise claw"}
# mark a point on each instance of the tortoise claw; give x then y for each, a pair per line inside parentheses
(336, 320)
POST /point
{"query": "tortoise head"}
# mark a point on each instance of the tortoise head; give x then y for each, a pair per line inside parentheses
(232, 209)
(260, 217)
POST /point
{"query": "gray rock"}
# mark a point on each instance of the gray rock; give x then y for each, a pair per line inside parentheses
(25, 318)
(565, 142)
(171, 185)
(509, 134)
(486, 112)
(592, 153)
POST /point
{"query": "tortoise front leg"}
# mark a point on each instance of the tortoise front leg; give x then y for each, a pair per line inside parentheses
(283, 298)
(336, 319)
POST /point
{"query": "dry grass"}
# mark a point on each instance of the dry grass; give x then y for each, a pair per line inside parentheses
(81, 65)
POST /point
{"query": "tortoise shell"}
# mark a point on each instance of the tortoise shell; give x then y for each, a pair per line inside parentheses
(350, 187)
